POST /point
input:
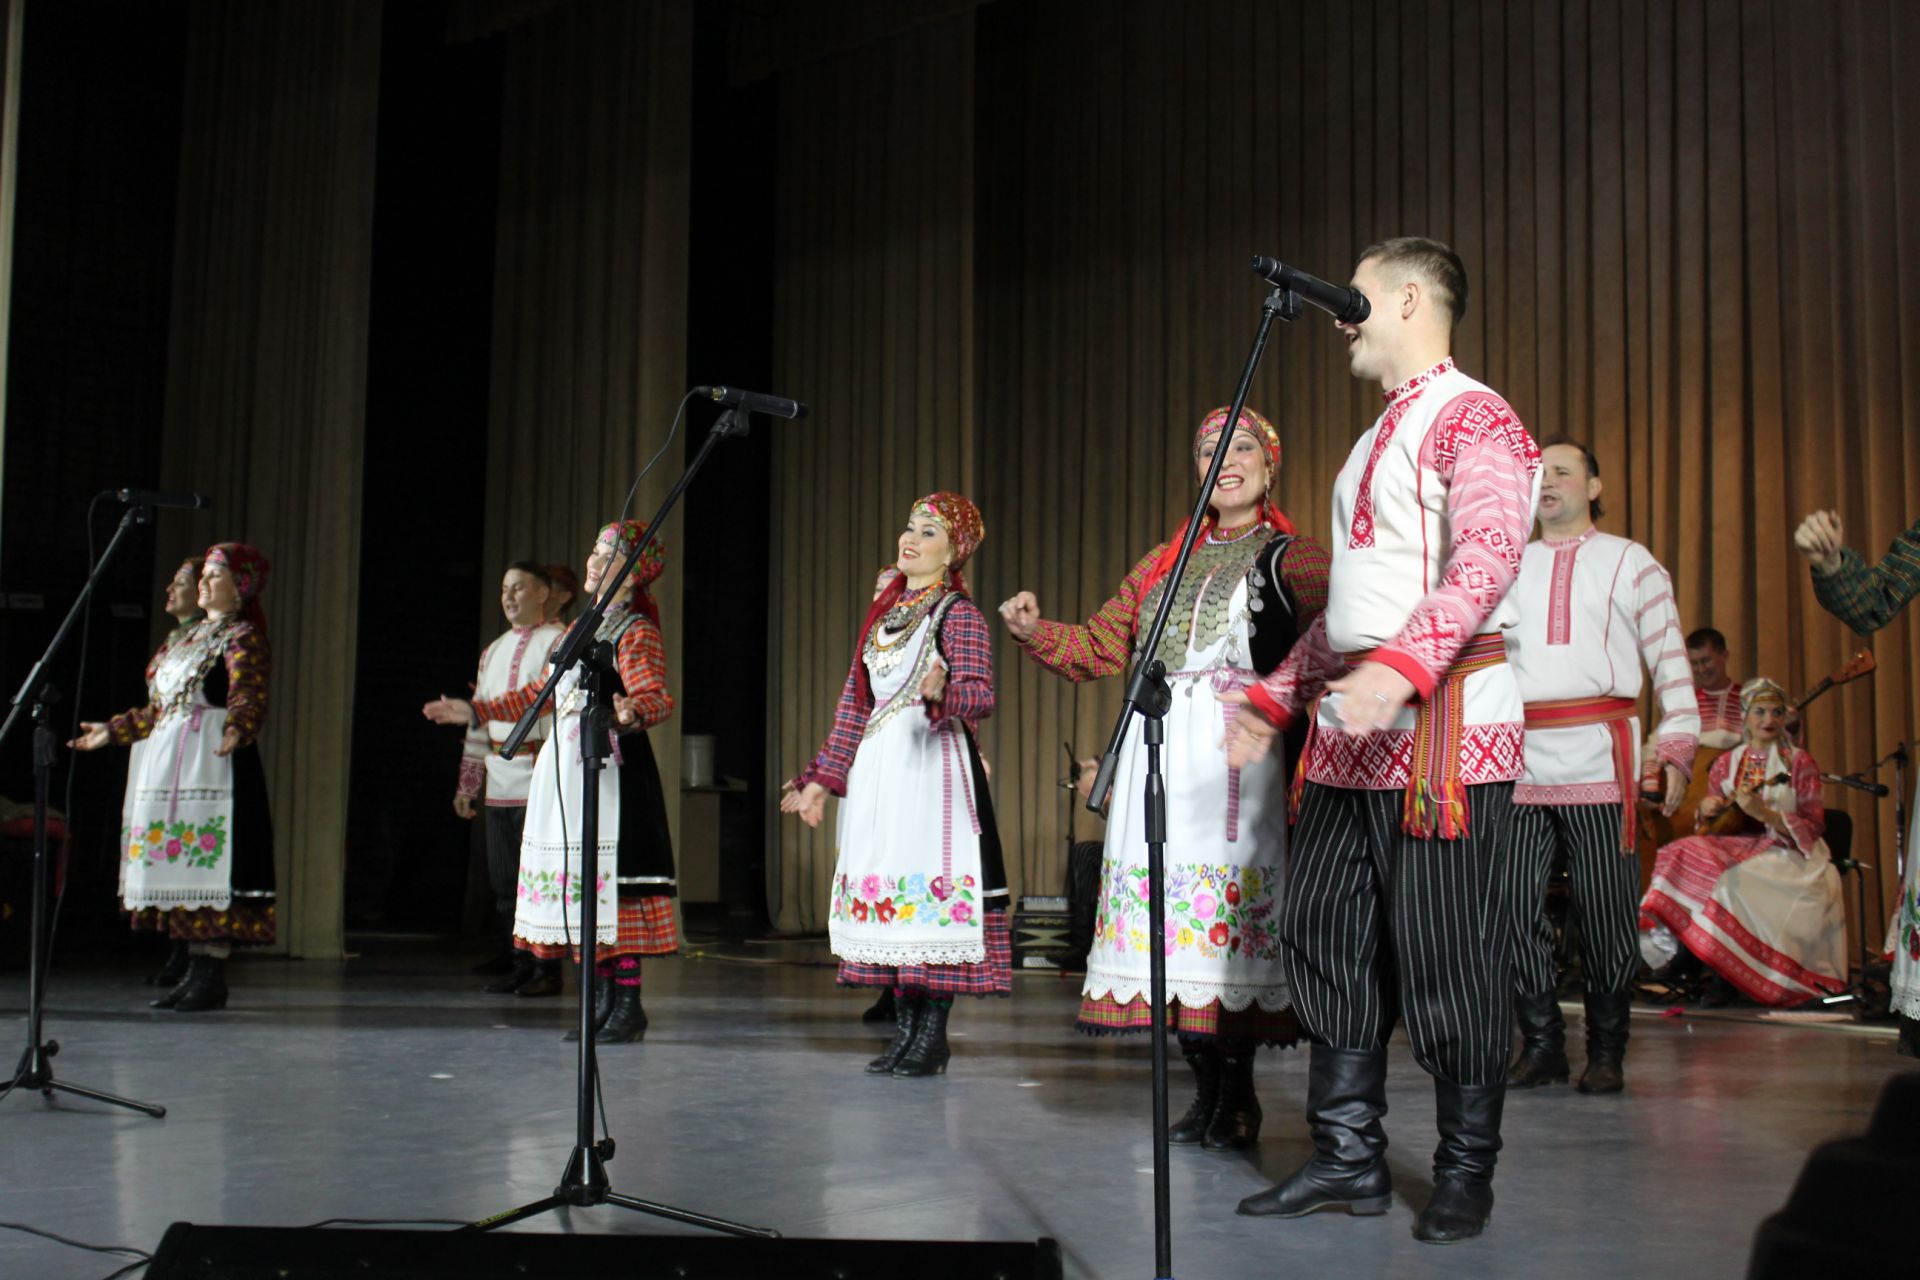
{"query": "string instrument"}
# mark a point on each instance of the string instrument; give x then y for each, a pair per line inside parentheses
(1735, 821)
(1657, 829)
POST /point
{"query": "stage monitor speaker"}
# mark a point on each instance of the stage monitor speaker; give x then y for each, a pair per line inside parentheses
(191, 1252)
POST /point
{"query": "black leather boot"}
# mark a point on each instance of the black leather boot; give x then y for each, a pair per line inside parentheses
(172, 995)
(1607, 1018)
(906, 1012)
(205, 987)
(1236, 1118)
(545, 980)
(626, 1022)
(1468, 1117)
(524, 967)
(1346, 1100)
(602, 1010)
(172, 969)
(927, 1055)
(880, 1010)
(1543, 1042)
(1192, 1127)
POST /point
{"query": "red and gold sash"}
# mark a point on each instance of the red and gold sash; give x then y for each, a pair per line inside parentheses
(1436, 797)
(1616, 714)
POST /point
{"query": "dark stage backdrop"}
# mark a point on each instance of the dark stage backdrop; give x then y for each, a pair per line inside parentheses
(1681, 220)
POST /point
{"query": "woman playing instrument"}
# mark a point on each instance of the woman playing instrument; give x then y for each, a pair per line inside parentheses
(634, 881)
(197, 855)
(1252, 585)
(1754, 896)
(919, 889)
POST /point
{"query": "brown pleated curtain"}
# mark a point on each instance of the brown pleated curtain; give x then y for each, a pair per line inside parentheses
(1683, 224)
(590, 288)
(12, 13)
(266, 381)
(874, 309)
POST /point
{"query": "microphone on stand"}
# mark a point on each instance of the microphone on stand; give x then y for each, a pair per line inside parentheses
(1858, 784)
(1348, 306)
(753, 402)
(149, 498)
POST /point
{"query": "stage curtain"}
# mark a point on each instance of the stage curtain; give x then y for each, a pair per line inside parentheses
(874, 315)
(11, 15)
(590, 288)
(1683, 224)
(266, 381)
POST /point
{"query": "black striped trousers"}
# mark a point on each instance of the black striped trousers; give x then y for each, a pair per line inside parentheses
(1377, 925)
(1604, 886)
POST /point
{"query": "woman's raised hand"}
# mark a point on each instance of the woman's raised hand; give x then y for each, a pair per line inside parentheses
(810, 802)
(1021, 613)
(93, 736)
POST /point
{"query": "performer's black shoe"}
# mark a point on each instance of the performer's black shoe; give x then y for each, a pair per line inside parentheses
(205, 987)
(172, 995)
(880, 1010)
(602, 1010)
(1468, 1117)
(906, 1012)
(172, 969)
(1346, 1098)
(927, 1055)
(1607, 1019)
(523, 967)
(1236, 1118)
(626, 1022)
(1543, 1042)
(1192, 1127)
(544, 981)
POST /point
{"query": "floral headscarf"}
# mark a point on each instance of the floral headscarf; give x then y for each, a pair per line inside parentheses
(249, 567)
(1270, 515)
(626, 535)
(957, 514)
(1760, 689)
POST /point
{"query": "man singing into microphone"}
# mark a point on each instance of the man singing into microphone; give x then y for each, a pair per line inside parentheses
(1394, 905)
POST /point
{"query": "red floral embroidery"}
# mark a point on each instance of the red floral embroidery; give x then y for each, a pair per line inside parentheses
(1399, 400)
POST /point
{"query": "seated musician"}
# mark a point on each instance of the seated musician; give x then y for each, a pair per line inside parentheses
(1753, 896)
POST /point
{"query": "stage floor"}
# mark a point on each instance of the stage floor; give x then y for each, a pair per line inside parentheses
(388, 1087)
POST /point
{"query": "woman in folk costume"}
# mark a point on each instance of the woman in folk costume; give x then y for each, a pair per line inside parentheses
(1761, 908)
(1252, 586)
(635, 878)
(183, 606)
(198, 854)
(919, 888)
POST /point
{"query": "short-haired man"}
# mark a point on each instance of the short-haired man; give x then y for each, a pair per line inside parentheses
(1716, 694)
(498, 787)
(1594, 607)
(1394, 905)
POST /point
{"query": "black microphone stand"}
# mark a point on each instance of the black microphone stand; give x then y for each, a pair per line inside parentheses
(35, 698)
(585, 1181)
(1150, 697)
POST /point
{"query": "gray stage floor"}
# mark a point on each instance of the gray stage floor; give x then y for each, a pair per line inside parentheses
(388, 1087)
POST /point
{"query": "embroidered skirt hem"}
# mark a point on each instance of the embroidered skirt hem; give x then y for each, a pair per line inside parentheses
(992, 976)
(248, 922)
(645, 928)
(1105, 1016)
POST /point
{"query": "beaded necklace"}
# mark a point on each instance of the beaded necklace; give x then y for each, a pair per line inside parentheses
(886, 643)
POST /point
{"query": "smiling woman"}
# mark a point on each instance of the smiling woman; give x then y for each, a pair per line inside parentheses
(1252, 585)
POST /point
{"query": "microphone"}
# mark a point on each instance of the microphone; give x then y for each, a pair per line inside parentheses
(753, 402)
(1858, 784)
(1348, 306)
(148, 498)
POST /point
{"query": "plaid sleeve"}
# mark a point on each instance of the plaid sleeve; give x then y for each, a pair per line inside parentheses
(249, 663)
(830, 767)
(1867, 598)
(1305, 568)
(967, 647)
(132, 725)
(1284, 693)
(641, 657)
(1103, 645)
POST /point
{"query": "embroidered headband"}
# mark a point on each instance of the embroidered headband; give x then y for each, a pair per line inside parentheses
(960, 518)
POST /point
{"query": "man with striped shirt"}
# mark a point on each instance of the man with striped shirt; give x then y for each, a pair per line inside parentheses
(1593, 608)
(1394, 906)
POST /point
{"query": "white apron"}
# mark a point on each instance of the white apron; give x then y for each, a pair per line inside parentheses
(548, 906)
(1226, 850)
(178, 815)
(907, 884)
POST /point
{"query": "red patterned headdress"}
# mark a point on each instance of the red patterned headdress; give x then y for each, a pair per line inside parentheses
(965, 530)
(1272, 516)
(626, 535)
(249, 567)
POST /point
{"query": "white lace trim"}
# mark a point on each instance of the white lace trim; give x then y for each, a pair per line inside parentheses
(1907, 1002)
(910, 953)
(557, 935)
(1126, 988)
(177, 898)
